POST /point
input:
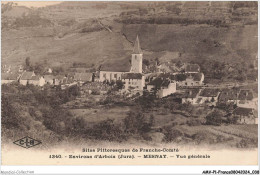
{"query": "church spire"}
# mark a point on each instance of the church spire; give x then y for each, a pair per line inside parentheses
(137, 48)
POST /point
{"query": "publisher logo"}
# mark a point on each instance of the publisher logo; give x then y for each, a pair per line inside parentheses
(27, 142)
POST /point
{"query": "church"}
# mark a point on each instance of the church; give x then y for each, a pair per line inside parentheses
(132, 77)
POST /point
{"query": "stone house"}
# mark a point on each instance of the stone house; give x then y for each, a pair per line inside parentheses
(166, 89)
(49, 79)
(37, 80)
(190, 96)
(162, 86)
(245, 115)
(25, 77)
(83, 77)
(228, 95)
(133, 81)
(246, 99)
(193, 79)
(208, 96)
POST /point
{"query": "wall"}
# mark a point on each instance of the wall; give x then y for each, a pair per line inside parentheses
(40, 82)
(110, 76)
(23, 82)
(167, 91)
(150, 87)
(7, 81)
(246, 119)
(190, 100)
(136, 63)
(247, 103)
(137, 84)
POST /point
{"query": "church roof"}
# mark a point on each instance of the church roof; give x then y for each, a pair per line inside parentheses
(117, 66)
(137, 48)
(132, 76)
(27, 75)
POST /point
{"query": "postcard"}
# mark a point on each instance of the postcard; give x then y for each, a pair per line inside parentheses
(129, 83)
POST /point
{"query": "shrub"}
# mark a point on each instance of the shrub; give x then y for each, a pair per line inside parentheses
(214, 118)
(201, 137)
(194, 122)
(107, 130)
(135, 123)
(171, 134)
(247, 143)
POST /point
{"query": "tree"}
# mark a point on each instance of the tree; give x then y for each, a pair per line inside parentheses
(107, 130)
(119, 84)
(7, 6)
(151, 120)
(112, 83)
(214, 118)
(27, 62)
(181, 77)
(157, 61)
(179, 64)
(146, 62)
(135, 123)
(39, 68)
(10, 114)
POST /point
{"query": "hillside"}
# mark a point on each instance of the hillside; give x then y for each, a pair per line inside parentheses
(97, 33)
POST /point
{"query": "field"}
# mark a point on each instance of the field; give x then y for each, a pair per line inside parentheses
(95, 115)
(224, 136)
(78, 33)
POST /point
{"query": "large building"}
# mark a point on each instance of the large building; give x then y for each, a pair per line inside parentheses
(131, 75)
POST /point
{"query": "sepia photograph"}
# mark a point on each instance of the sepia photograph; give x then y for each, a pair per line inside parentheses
(129, 83)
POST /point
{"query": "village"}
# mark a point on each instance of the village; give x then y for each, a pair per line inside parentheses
(185, 85)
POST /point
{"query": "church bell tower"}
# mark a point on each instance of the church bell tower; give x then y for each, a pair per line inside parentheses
(137, 58)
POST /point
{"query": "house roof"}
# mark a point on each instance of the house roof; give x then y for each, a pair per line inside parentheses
(166, 83)
(190, 93)
(59, 77)
(245, 94)
(83, 76)
(209, 93)
(197, 76)
(27, 75)
(37, 77)
(243, 111)
(192, 68)
(228, 94)
(137, 48)
(48, 77)
(194, 76)
(132, 76)
(9, 76)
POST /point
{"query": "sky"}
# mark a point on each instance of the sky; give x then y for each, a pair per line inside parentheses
(34, 3)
